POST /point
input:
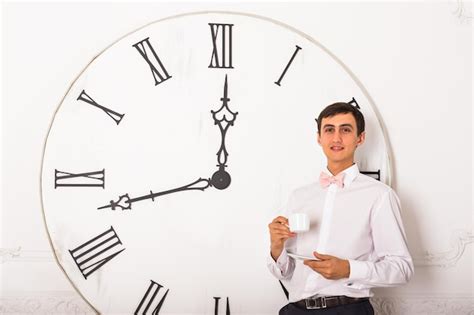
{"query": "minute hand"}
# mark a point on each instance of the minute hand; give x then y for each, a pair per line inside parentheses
(221, 178)
(125, 202)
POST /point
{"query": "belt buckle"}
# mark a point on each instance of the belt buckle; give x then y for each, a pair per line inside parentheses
(312, 303)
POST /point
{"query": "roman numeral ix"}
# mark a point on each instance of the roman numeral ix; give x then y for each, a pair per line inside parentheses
(96, 252)
(89, 179)
(156, 66)
(150, 300)
(221, 45)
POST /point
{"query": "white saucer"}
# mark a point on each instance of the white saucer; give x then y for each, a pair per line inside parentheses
(301, 257)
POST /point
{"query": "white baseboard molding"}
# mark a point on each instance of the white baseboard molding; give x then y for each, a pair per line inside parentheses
(64, 303)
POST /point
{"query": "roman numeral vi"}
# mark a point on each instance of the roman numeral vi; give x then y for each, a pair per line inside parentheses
(216, 306)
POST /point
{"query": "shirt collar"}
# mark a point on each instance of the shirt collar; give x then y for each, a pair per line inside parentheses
(351, 173)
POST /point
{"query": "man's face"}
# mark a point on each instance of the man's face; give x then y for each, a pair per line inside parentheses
(338, 138)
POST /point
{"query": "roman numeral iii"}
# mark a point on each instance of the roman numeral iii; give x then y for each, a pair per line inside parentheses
(96, 252)
(150, 302)
(156, 66)
(89, 179)
(221, 35)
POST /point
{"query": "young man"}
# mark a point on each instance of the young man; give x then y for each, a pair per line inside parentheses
(356, 234)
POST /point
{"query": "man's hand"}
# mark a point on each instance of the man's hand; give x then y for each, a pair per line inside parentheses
(279, 233)
(329, 267)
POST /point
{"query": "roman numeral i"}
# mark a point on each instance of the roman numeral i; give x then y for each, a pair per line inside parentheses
(288, 65)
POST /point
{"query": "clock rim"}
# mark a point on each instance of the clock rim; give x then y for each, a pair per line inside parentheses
(387, 151)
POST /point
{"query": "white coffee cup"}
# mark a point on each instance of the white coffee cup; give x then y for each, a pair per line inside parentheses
(298, 222)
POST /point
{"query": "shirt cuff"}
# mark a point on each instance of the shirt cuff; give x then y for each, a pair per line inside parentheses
(282, 261)
(358, 271)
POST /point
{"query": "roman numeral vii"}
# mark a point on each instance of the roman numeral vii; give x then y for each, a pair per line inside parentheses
(150, 302)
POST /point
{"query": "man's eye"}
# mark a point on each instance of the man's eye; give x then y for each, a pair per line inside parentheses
(329, 130)
(346, 130)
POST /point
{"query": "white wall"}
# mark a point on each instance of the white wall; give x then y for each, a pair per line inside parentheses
(415, 60)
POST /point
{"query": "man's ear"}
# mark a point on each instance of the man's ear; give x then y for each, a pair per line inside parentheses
(318, 136)
(361, 139)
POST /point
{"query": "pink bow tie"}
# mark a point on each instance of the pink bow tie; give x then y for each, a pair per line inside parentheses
(325, 180)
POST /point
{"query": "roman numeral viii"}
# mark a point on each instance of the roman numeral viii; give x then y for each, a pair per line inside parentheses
(150, 300)
(96, 252)
(89, 179)
(156, 66)
(216, 306)
(112, 114)
(221, 45)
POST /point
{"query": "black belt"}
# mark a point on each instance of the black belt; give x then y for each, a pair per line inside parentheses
(316, 302)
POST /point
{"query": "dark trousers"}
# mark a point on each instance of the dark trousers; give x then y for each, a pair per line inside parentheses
(359, 308)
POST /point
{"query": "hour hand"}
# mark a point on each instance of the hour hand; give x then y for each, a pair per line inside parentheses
(123, 202)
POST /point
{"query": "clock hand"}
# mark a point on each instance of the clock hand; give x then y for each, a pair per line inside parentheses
(125, 202)
(221, 178)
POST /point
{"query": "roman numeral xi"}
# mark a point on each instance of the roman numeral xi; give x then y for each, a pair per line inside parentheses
(148, 53)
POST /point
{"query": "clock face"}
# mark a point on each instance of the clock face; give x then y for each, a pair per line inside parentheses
(173, 150)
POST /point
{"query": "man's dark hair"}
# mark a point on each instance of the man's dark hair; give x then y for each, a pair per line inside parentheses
(342, 108)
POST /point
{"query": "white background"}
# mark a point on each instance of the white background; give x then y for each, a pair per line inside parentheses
(414, 59)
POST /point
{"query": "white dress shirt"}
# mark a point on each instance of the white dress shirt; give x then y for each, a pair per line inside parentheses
(361, 223)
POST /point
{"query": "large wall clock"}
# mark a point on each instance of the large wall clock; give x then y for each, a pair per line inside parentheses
(173, 149)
